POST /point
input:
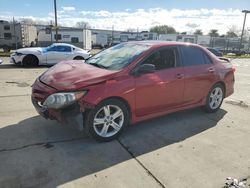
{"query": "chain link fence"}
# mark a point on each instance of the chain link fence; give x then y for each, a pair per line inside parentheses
(230, 45)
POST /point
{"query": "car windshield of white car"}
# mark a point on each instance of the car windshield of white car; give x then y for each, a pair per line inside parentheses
(118, 56)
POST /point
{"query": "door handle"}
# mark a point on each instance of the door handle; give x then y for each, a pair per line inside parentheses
(179, 76)
(211, 70)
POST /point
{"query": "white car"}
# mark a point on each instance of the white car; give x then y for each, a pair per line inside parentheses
(49, 55)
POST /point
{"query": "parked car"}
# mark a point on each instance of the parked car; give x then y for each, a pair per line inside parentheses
(236, 52)
(219, 54)
(132, 82)
(215, 52)
(49, 55)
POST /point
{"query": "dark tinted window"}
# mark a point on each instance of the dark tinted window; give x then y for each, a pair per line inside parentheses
(74, 39)
(192, 56)
(59, 37)
(6, 27)
(63, 49)
(7, 35)
(162, 59)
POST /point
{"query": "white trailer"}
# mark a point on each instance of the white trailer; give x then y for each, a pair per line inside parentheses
(203, 40)
(16, 35)
(99, 40)
(167, 37)
(77, 37)
(186, 38)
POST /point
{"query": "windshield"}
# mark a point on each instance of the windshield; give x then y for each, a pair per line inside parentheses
(49, 48)
(119, 56)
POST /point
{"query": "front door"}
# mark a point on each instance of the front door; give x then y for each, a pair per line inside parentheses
(163, 89)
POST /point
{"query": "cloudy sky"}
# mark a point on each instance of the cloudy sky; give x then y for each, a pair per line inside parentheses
(130, 14)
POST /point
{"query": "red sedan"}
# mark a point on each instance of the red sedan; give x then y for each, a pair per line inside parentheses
(132, 82)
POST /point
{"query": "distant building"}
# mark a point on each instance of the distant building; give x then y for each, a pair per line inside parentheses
(16, 35)
(76, 36)
(101, 37)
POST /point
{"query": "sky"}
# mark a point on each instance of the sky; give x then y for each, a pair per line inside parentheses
(183, 15)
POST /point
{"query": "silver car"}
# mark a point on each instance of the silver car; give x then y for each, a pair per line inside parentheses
(49, 55)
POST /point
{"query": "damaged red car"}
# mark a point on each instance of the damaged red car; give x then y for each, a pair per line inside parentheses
(132, 82)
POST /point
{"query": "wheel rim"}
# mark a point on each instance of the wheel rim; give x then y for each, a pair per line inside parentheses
(108, 120)
(215, 98)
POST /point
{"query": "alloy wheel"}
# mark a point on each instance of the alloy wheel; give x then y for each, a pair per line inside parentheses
(215, 98)
(108, 120)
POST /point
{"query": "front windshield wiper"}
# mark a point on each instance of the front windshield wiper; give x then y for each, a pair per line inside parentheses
(98, 65)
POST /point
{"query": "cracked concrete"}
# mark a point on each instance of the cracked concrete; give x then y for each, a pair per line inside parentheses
(184, 149)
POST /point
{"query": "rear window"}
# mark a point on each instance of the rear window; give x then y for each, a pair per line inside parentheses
(193, 56)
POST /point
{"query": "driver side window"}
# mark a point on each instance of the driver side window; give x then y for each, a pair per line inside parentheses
(162, 59)
(52, 49)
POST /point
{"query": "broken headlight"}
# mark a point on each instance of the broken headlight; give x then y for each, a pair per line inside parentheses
(60, 100)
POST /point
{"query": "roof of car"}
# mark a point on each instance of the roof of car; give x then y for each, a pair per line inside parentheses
(158, 43)
(64, 44)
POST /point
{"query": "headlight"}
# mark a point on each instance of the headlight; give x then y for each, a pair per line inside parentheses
(18, 54)
(59, 100)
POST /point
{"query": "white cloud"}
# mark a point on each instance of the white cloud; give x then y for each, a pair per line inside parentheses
(68, 8)
(182, 20)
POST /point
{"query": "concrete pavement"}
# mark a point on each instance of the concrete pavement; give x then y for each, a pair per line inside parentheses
(184, 149)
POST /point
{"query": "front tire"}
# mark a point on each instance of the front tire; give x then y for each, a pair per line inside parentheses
(215, 98)
(30, 61)
(107, 120)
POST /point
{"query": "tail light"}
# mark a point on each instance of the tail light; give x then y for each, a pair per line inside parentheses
(234, 68)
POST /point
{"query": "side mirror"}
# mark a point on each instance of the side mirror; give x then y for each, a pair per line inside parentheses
(144, 69)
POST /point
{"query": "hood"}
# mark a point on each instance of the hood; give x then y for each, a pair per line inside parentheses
(29, 50)
(73, 75)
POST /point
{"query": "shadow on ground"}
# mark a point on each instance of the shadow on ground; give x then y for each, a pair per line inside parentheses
(13, 66)
(38, 153)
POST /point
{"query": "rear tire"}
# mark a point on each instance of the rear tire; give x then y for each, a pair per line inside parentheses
(30, 61)
(78, 58)
(107, 120)
(214, 98)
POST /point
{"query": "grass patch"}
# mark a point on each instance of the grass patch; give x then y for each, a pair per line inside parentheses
(237, 57)
(5, 54)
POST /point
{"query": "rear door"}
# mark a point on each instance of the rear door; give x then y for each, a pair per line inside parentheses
(163, 89)
(199, 72)
(58, 53)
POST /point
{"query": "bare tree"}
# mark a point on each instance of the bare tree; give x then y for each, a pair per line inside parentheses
(198, 32)
(231, 34)
(27, 21)
(213, 33)
(233, 31)
(163, 29)
(131, 30)
(83, 25)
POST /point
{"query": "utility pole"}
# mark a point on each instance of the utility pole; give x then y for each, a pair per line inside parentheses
(112, 34)
(56, 20)
(243, 28)
(14, 28)
(137, 37)
(51, 29)
(248, 45)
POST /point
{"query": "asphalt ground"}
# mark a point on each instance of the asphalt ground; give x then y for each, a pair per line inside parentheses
(183, 149)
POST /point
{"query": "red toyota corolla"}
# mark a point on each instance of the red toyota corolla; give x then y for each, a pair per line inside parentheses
(132, 82)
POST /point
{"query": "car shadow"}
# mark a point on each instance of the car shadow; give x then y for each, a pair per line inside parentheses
(13, 66)
(39, 153)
